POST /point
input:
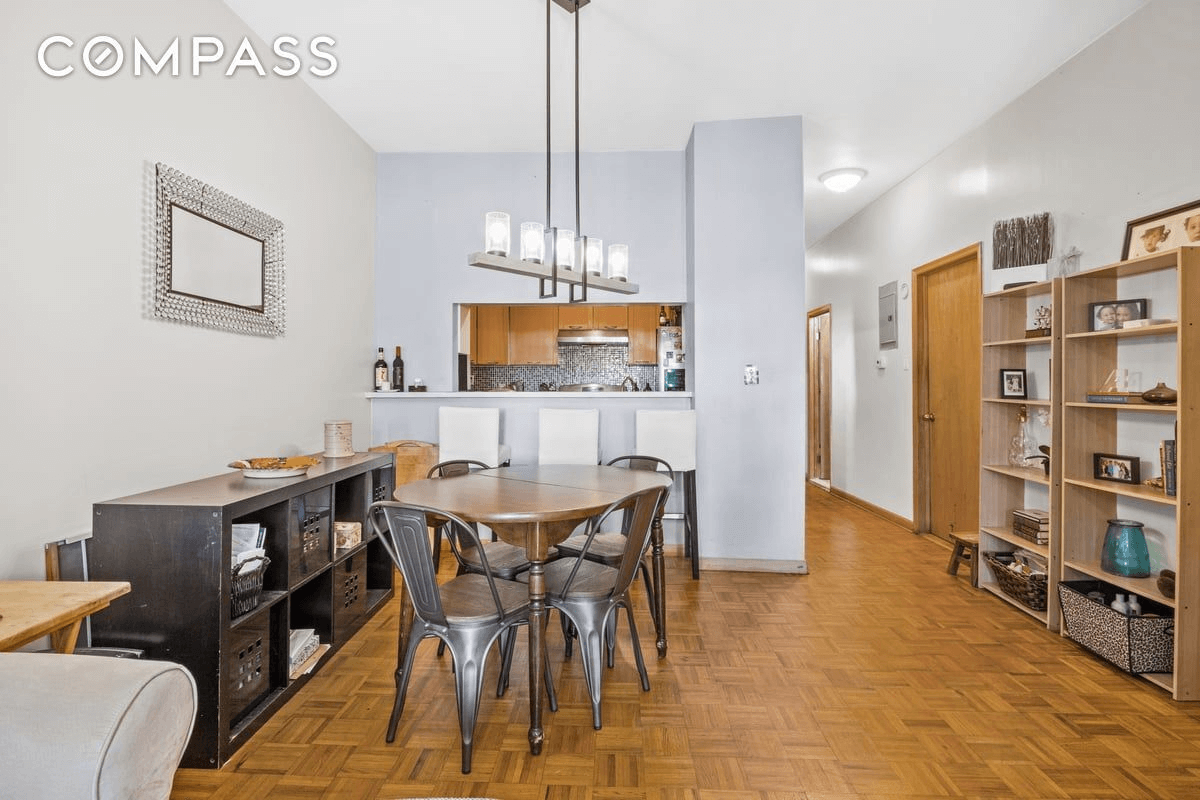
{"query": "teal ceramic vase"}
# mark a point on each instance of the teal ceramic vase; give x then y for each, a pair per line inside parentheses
(1125, 551)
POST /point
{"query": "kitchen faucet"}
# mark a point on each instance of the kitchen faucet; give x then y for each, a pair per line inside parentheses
(631, 382)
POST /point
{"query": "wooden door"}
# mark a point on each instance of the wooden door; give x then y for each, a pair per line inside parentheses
(490, 335)
(643, 333)
(610, 317)
(820, 393)
(575, 317)
(946, 383)
(532, 335)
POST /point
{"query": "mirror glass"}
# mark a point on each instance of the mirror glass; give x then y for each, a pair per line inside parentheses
(219, 261)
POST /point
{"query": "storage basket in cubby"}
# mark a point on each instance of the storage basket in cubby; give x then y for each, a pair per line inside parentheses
(1135, 644)
(247, 585)
(1028, 590)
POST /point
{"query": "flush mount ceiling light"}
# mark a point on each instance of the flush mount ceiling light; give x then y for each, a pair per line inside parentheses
(574, 259)
(842, 180)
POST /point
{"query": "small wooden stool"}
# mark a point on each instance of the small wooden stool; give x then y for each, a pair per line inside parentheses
(966, 551)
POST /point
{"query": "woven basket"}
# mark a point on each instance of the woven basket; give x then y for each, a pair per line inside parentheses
(1028, 590)
(247, 586)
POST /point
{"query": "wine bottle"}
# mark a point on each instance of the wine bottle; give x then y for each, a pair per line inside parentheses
(398, 372)
(381, 372)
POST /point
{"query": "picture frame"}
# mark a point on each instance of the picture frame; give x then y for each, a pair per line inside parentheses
(1162, 230)
(1116, 468)
(1110, 315)
(1012, 384)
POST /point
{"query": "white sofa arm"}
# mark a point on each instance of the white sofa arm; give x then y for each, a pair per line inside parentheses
(76, 726)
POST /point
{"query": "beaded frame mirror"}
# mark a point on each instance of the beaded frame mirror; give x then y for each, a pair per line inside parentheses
(219, 263)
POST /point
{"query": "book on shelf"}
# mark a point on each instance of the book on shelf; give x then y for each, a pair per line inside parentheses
(1169, 458)
(1127, 398)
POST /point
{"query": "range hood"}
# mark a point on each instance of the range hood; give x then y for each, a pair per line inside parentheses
(593, 336)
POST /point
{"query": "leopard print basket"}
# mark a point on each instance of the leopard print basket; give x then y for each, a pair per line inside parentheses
(1135, 644)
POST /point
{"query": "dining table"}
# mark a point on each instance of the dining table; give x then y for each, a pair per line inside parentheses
(536, 507)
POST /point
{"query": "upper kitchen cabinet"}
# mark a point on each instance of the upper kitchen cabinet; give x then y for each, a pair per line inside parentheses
(575, 317)
(643, 330)
(533, 335)
(489, 335)
(610, 317)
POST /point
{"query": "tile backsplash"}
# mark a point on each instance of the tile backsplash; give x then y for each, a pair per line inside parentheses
(577, 363)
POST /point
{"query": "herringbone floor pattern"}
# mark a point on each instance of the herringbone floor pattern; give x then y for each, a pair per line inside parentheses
(876, 676)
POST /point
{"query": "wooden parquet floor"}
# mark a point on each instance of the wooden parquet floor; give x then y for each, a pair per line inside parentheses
(875, 676)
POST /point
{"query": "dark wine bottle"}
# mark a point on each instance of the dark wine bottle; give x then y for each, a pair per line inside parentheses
(381, 372)
(398, 372)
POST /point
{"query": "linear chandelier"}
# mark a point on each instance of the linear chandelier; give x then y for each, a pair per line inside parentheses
(556, 255)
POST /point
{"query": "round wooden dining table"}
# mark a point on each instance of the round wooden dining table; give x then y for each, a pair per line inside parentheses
(536, 507)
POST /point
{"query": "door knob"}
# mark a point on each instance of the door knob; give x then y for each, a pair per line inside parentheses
(929, 417)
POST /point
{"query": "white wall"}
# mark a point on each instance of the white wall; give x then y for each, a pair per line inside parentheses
(1107, 138)
(746, 290)
(430, 218)
(100, 400)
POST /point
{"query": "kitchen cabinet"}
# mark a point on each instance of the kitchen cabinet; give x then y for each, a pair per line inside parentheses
(575, 317)
(613, 318)
(175, 545)
(532, 335)
(643, 334)
(489, 335)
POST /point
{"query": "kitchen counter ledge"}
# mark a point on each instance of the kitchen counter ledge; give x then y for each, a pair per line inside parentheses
(567, 395)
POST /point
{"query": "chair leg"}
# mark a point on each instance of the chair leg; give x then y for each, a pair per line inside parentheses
(637, 645)
(403, 672)
(692, 545)
(469, 662)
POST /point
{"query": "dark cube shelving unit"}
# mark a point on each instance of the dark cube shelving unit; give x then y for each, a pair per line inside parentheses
(174, 547)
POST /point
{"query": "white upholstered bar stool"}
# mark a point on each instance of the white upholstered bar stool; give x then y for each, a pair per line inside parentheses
(569, 436)
(470, 433)
(671, 436)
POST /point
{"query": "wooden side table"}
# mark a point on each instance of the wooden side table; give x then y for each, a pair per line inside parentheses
(30, 610)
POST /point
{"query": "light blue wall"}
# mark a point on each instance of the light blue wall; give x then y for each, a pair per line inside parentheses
(745, 215)
(430, 217)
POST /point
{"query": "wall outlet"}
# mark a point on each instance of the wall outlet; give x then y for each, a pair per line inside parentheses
(750, 376)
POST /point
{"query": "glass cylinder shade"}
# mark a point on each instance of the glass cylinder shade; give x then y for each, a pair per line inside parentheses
(564, 249)
(618, 262)
(594, 257)
(497, 234)
(1125, 552)
(533, 242)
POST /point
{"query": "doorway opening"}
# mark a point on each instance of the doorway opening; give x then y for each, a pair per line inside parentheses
(820, 393)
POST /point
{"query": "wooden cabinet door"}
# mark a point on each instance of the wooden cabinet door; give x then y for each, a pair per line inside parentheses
(532, 335)
(490, 335)
(611, 317)
(575, 317)
(643, 334)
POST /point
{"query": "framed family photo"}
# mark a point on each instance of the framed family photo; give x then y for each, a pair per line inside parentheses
(1112, 467)
(1012, 384)
(1109, 315)
(1162, 230)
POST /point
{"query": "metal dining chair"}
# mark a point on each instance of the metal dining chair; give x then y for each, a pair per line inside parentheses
(504, 560)
(469, 612)
(608, 547)
(589, 594)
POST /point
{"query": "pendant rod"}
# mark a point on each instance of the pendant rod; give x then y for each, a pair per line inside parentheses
(548, 116)
(578, 230)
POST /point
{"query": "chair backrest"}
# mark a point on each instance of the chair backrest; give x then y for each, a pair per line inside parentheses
(651, 464)
(469, 433)
(460, 466)
(639, 509)
(569, 436)
(403, 532)
(669, 435)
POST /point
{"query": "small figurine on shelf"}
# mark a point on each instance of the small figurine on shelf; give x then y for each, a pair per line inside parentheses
(1041, 323)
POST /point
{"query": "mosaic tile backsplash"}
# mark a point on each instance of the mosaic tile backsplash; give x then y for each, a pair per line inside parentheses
(601, 363)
